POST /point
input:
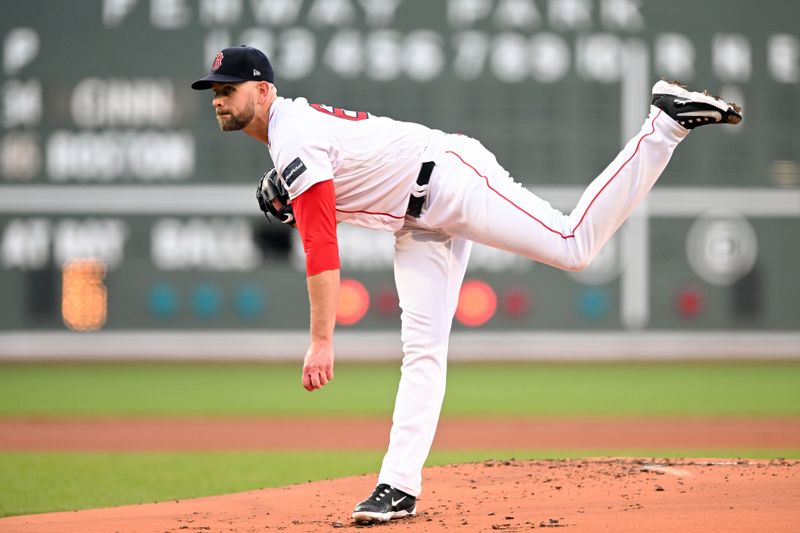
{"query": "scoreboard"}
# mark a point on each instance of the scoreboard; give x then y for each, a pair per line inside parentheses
(123, 208)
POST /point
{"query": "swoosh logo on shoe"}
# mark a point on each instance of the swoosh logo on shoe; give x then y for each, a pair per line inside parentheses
(395, 502)
(681, 101)
(716, 115)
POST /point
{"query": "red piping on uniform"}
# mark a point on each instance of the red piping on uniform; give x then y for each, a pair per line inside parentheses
(372, 213)
(572, 235)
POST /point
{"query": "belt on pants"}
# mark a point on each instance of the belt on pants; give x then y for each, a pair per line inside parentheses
(420, 190)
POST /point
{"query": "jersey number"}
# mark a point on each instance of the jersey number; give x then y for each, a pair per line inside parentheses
(341, 113)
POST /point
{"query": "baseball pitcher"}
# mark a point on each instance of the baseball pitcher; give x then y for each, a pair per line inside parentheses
(438, 193)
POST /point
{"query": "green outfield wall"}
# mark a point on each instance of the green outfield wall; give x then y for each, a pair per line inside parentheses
(128, 226)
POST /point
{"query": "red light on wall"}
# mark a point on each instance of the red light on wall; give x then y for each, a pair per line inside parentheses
(388, 303)
(353, 302)
(690, 303)
(477, 303)
(516, 302)
(84, 297)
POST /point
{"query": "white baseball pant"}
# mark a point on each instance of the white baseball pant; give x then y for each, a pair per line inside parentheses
(472, 198)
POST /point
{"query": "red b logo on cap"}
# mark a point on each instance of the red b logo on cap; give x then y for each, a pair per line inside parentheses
(217, 61)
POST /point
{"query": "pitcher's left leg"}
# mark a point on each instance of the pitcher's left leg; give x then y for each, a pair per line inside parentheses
(429, 268)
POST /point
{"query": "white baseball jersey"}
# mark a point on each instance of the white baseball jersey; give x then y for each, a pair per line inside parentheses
(373, 161)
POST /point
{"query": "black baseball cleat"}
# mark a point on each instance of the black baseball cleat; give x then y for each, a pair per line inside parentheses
(692, 109)
(385, 503)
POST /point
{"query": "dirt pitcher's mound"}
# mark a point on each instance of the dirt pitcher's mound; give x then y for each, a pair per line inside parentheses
(580, 495)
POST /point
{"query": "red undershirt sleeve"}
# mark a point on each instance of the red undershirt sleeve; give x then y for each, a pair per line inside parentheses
(315, 213)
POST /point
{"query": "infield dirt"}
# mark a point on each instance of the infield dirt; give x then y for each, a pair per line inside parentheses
(623, 495)
(183, 434)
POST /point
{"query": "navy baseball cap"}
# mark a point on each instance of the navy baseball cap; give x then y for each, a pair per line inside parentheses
(233, 65)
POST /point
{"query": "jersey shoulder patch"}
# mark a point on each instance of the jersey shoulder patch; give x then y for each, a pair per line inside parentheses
(293, 170)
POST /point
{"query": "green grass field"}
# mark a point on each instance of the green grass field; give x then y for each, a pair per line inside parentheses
(614, 389)
(40, 482)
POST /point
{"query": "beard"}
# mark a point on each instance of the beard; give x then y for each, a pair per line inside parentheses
(233, 122)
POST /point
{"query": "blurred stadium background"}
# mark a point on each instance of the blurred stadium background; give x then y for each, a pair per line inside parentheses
(129, 229)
